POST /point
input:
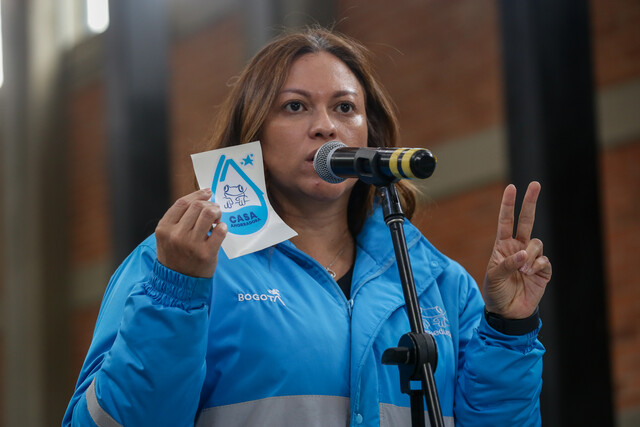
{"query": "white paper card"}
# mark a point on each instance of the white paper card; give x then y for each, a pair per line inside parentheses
(236, 177)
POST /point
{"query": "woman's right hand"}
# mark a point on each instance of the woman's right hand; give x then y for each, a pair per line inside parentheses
(182, 235)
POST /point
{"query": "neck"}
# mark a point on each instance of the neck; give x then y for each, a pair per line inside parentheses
(323, 232)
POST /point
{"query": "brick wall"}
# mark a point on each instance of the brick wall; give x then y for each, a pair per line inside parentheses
(616, 40)
(201, 66)
(621, 214)
(89, 211)
(438, 59)
(464, 226)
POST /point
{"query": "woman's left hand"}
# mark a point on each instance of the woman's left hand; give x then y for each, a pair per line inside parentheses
(518, 272)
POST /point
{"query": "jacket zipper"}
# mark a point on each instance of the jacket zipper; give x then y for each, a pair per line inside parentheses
(297, 252)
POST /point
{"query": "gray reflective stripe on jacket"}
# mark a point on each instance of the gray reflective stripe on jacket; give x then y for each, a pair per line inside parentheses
(393, 416)
(99, 416)
(309, 411)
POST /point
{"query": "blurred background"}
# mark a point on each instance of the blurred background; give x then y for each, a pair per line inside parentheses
(103, 101)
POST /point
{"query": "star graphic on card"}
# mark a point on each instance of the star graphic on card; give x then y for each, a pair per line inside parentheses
(248, 160)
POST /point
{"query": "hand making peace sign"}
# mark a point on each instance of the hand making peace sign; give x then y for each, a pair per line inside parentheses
(518, 273)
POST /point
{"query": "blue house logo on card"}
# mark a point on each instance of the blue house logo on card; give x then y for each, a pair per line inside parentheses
(435, 321)
(243, 205)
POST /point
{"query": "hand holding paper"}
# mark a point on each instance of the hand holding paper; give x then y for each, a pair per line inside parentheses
(236, 177)
(184, 243)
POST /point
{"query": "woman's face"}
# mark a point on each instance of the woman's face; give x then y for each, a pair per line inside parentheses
(320, 101)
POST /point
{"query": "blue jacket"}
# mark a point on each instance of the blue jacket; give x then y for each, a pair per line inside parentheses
(271, 340)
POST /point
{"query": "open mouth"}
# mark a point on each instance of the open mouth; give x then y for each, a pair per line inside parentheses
(311, 156)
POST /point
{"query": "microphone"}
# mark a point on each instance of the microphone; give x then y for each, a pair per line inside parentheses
(334, 162)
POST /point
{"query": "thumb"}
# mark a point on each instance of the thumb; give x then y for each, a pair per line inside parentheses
(509, 265)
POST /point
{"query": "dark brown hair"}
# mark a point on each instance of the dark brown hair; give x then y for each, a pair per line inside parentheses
(245, 110)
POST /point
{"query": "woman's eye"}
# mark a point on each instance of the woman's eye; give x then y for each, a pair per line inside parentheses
(293, 106)
(345, 107)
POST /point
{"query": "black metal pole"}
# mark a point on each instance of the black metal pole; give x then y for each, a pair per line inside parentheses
(406, 274)
(418, 349)
(137, 75)
(552, 138)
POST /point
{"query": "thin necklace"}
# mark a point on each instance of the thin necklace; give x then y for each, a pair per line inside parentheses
(328, 267)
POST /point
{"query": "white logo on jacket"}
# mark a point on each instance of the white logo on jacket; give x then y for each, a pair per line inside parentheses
(273, 297)
(435, 321)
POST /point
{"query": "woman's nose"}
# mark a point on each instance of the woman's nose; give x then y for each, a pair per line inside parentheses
(322, 126)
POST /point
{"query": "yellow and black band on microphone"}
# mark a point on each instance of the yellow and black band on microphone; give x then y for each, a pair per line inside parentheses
(400, 162)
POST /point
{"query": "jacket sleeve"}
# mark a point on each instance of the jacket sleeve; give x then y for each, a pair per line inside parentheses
(499, 376)
(146, 362)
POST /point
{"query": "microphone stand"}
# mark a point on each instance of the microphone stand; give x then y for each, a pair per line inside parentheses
(416, 355)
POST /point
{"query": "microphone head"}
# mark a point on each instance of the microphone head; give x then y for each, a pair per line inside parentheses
(322, 161)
